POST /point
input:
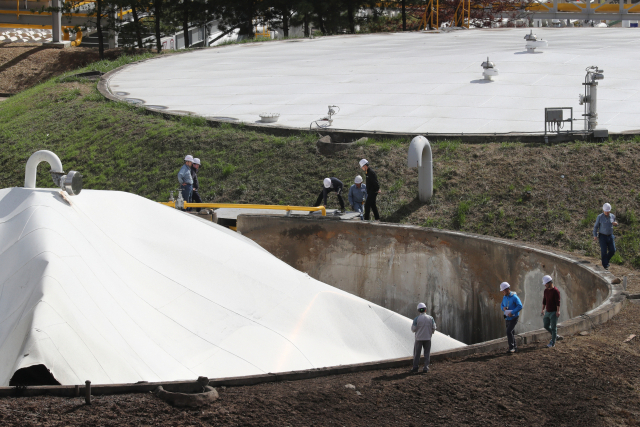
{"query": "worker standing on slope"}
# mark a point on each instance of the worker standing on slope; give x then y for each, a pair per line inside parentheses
(185, 179)
(603, 231)
(551, 302)
(358, 195)
(373, 189)
(511, 307)
(330, 184)
(424, 327)
(195, 197)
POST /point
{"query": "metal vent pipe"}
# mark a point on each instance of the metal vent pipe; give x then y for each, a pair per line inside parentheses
(420, 156)
(32, 167)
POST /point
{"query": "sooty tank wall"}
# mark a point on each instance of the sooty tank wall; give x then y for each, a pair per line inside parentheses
(456, 275)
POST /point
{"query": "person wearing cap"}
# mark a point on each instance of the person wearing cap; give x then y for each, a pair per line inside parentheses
(195, 197)
(551, 302)
(185, 179)
(329, 185)
(511, 307)
(373, 189)
(424, 327)
(603, 231)
(358, 195)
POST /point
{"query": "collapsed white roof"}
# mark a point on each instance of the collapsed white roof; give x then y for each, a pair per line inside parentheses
(115, 288)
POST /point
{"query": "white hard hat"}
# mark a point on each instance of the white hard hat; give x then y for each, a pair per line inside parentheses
(363, 162)
(196, 160)
(327, 182)
(546, 279)
(504, 285)
(421, 305)
(188, 158)
(606, 207)
(358, 179)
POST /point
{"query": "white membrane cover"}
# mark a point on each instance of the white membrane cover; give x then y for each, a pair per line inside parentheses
(411, 82)
(115, 288)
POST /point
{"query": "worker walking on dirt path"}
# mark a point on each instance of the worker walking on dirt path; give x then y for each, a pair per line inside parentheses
(603, 231)
(373, 189)
(424, 326)
(511, 307)
(329, 185)
(358, 196)
(195, 197)
(184, 178)
(551, 303)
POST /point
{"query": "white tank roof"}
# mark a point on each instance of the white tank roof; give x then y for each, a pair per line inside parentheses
(115, 288)
(403, 82)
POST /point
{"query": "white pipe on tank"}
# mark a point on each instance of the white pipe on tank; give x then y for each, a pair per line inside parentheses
(34, 161)
(420, 156)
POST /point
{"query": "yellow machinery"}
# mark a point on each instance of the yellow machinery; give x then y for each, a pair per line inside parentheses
(244, 206)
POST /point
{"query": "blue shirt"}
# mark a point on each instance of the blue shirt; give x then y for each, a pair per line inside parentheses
(511, 302)
(184, 176)
(604, 224)
(357, 195)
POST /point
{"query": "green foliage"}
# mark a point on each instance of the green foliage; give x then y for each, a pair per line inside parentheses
(590, 218)
(193, 120)
(461, 214)
(617, 259)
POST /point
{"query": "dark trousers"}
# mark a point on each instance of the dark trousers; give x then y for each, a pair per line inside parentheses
(195, 198)
(329, 190)
(607, 248)
(186, 193)
(370, 205)
(417, 349)
(511, 333)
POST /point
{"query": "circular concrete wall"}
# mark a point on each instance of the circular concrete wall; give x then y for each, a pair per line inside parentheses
(456, 275)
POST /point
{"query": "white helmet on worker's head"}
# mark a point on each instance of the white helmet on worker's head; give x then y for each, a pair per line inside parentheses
(358, 179)
(196, 161)
(188, 158)
(546, 279)
(606, 207)
(504, 285)
(364, 162)
(421, 306)
(327, 183)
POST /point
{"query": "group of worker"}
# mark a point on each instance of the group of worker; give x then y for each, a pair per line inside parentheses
(424, 326)
(188, 179)
(362, 196)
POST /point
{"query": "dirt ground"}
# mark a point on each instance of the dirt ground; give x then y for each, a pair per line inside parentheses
(24, 65)
(591, 380)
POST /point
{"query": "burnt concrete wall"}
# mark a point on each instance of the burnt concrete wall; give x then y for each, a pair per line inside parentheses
(455, 274)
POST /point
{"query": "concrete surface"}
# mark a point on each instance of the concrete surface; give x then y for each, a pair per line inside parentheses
(402, 82)
(455, 274)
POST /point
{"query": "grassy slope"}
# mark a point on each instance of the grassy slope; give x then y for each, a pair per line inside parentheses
(479, 188)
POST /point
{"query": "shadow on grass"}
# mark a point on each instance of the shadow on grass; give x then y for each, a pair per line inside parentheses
(405, 210)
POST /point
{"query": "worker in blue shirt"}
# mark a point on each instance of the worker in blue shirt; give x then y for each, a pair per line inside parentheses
(603, 231)
(511, 307)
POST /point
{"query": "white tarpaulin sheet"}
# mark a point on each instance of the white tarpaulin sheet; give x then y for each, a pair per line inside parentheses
(115, 288)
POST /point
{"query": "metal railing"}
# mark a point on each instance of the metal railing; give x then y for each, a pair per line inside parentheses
(243, 206)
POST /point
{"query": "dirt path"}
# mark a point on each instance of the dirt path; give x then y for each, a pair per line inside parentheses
(24, 65)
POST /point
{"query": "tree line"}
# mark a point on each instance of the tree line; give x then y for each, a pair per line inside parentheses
(153, 18)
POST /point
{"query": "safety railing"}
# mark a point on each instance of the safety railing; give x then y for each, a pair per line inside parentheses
(243, 206)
